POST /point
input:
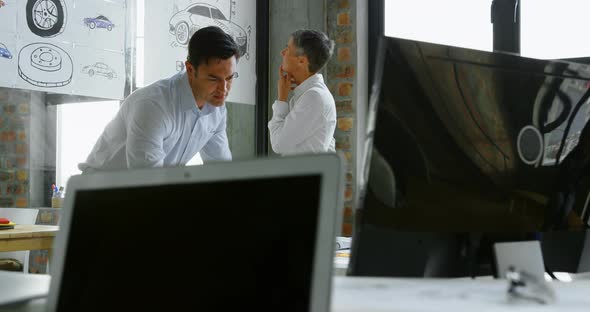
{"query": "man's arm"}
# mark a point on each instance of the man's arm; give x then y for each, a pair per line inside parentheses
(290, 128)
(217, 148)
(147, 125)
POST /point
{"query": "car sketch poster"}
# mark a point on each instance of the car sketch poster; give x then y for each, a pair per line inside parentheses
(169, 25)
(64, 46)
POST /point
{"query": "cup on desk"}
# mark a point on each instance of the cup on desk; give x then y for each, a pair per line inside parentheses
(57, 202)
(57, 198)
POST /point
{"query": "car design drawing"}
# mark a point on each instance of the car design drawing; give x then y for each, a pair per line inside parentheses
(4, 52)
(46, 18)
(186, 22)
(100, 69)
(99, 22)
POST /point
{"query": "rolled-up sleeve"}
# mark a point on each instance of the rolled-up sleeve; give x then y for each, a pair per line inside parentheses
(290, 128)
(217, 148)
(146, 129)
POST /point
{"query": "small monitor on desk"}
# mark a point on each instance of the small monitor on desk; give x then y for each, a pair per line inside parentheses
(466, 148)
(238, 235)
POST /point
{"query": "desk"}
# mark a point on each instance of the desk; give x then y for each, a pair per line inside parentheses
(352, 294)
(28, 237)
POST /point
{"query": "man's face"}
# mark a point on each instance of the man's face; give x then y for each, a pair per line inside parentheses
(211, 81)
(290, 58)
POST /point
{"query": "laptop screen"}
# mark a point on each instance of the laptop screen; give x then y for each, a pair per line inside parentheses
(243, 244)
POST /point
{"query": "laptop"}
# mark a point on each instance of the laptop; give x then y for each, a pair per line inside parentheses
(230, 235)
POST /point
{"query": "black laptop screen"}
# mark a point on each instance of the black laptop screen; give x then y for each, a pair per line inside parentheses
(193, 247)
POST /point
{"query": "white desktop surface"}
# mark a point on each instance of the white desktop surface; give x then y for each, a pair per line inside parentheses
(464, 294)
(399, 294)
(17, 287)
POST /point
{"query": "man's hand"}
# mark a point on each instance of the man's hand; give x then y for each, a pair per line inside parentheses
(285, 84)
(2, 3)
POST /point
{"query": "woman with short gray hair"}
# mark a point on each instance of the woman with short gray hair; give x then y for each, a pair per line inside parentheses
(306, 123)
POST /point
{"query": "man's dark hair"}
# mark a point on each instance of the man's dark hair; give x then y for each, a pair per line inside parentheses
(211, 42)
(315, 45)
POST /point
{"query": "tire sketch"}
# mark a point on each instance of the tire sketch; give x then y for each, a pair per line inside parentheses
(4, 51)
(186, 22)
(99, 69)
(46, 18)
(99, 22)
(45, 65)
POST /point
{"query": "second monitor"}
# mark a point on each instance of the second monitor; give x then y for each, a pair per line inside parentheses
(467, 148)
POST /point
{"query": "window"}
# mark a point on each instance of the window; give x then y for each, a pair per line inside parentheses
(78, 127)
(200, 10)
(195, 161)
(462, 23)
(218, 15)
(554, 29)
(139, 43)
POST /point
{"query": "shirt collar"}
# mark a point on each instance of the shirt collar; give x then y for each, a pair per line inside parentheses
(187, 100)
(308, 83)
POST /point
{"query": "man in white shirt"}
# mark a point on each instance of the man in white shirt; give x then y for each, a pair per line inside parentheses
(307, 122)
(166, 123)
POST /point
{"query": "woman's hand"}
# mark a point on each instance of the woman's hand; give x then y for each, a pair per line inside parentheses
(285, 84)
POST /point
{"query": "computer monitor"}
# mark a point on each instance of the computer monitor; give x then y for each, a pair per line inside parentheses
(466, 148)
(251, 234)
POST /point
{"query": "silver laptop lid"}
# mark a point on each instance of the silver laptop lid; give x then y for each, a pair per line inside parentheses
(239, 233)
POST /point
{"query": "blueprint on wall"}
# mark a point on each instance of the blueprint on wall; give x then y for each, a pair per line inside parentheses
(64, 46)
(171, 23)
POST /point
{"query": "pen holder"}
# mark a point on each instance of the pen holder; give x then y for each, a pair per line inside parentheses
(57, 202)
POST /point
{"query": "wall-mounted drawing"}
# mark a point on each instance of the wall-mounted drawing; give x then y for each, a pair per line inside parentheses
(179, 66)
(4, 51)
(46, 18)
(45, 65)
(186, 22)
(99, 22)
(100, 69)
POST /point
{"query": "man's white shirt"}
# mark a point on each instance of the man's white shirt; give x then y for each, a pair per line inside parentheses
(161, 126)
(307, 123)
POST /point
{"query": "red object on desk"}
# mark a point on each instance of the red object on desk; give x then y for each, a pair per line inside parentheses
(4, 221)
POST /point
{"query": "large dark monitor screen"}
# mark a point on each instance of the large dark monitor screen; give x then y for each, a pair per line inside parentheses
(466, 148)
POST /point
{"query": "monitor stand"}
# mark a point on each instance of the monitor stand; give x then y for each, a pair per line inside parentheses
(566, 251)
(381, 251)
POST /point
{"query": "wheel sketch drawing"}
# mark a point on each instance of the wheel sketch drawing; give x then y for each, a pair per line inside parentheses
(100, 69)
(45, 65)
(99, 22)
(46, 18)
(4, 51)
(184, 23)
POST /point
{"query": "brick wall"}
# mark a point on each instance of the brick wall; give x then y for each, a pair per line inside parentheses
(341, 74)
(15, 115)
(22, 155)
